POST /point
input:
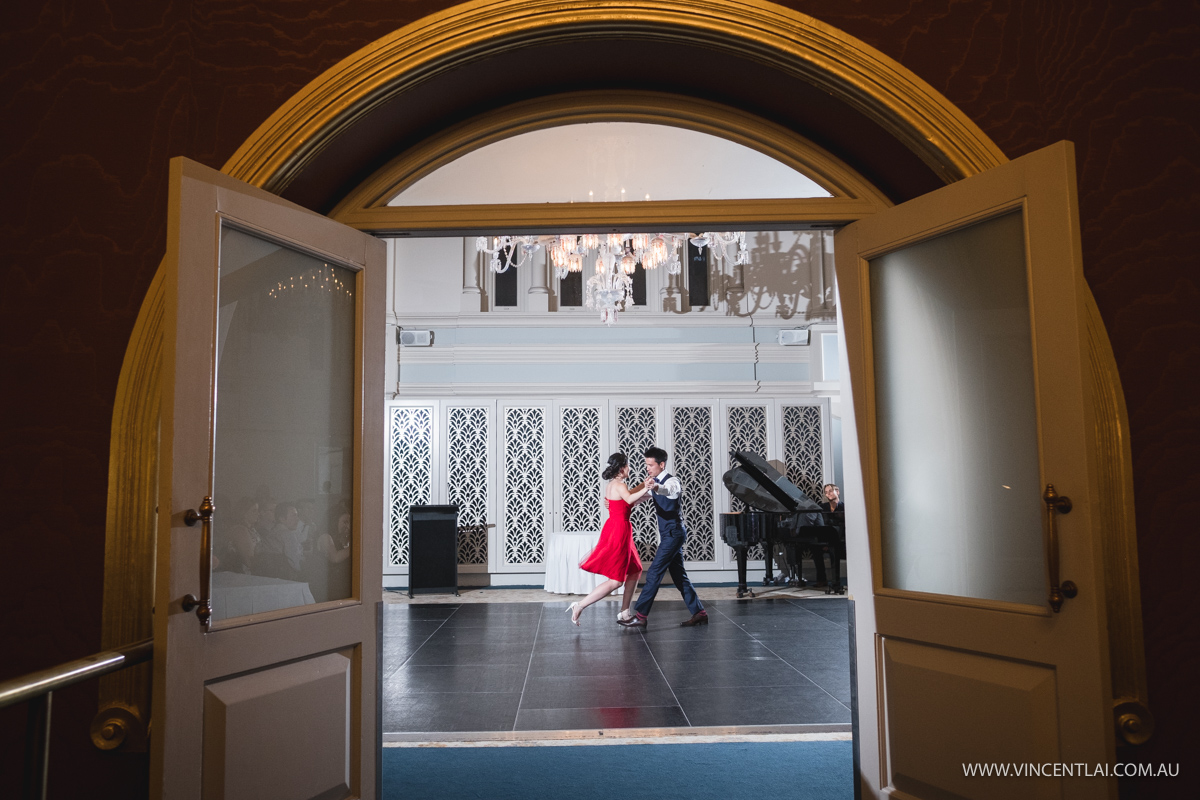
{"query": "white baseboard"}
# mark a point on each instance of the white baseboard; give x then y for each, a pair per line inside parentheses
(476, 580)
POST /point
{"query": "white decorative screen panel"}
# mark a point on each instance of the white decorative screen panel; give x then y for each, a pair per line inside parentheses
(410, 473)
(692, 437)
(802, 449)
(747, 431)
(579, 473)
(636, 432)
(524, 485)
(747, 427)
(467, 444)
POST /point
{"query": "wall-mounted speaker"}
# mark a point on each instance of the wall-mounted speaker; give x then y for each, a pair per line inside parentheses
(794, 337)
(415, 338)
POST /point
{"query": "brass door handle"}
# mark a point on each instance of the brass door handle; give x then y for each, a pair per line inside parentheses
(203, 603)
(1057, 504)
(1135, 723)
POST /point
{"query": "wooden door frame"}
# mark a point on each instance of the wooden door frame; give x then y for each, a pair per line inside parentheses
(793, 44)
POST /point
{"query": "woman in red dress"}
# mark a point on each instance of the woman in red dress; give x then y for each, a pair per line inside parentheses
(615, 557)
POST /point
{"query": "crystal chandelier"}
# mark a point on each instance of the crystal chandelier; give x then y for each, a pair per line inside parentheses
(617, 256)
(611, 286)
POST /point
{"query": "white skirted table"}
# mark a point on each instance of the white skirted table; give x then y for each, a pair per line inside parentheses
(564, 551)
(236, 595)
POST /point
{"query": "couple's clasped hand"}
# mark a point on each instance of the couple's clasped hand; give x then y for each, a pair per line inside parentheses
(633, 489)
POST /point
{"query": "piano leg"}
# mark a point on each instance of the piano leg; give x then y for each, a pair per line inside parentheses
(769, 576)
(742, 589)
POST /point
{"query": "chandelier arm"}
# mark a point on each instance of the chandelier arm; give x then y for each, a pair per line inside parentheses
(610, 289)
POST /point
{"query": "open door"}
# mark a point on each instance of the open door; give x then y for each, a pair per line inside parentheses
(270, 525)
(980, 603)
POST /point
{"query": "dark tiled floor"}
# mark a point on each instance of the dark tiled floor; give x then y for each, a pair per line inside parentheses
(523, 666)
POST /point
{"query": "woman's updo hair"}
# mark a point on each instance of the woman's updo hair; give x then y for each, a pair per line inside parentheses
(616, 463)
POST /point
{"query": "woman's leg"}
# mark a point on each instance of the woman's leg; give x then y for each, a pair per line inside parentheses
(603, 590)
(630, 588)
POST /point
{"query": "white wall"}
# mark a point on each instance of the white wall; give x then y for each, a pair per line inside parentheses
(731, 342)
(608, 161)
(424, 275)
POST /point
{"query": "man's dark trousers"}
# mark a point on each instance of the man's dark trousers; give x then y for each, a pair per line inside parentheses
(668, 558)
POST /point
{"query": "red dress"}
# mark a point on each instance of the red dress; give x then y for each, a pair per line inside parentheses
(615, 556)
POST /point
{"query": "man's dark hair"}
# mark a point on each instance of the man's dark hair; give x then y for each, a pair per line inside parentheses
(657, 453)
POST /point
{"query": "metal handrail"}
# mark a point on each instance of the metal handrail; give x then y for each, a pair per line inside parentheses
(45, 681)
(37, 688)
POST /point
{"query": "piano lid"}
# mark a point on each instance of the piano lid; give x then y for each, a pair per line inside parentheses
(760, 486)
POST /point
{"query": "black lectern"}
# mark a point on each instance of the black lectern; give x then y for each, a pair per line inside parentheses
(432, 549)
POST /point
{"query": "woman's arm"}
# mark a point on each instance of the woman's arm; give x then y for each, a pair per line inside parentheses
(634, 496)
(332, 553)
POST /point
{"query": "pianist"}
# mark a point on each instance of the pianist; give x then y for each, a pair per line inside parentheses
(832, 502)
(832, 498)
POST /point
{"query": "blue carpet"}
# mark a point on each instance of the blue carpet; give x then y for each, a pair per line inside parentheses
(725, 771)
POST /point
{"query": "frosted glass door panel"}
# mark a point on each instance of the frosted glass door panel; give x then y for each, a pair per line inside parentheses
(284, 434)
(960, 494)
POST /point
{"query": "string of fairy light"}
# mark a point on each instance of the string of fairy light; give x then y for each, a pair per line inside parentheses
(324, 278)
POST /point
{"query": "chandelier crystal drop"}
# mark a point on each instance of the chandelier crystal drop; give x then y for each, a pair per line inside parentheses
(617, 258)
(628, 263)
(608, 289)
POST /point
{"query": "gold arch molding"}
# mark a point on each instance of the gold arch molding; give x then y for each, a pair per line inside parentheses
(852, 196)
(789, 42)
(279, 150)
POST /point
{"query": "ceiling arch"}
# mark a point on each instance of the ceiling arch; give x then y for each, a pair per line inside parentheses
(608, 162)
(783, 66)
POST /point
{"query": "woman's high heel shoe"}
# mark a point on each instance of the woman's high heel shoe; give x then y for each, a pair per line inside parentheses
(571, 611)
(625, 615)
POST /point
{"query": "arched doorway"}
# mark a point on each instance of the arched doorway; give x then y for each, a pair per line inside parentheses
(410, 89)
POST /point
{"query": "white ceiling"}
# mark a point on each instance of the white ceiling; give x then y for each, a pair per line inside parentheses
(608, 161)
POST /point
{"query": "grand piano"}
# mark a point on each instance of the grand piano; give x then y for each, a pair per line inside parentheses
(778, 513)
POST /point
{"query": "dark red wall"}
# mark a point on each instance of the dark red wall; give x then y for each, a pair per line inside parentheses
(96, 97)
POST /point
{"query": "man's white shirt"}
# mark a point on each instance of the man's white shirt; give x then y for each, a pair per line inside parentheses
(670, 488)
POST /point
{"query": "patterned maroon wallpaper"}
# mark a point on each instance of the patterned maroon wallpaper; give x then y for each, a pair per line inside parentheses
(95, 97)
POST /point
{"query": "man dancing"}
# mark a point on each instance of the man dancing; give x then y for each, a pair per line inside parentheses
(668, 505)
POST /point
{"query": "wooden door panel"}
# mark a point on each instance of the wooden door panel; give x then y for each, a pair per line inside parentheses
(945, 705)
(281, 732)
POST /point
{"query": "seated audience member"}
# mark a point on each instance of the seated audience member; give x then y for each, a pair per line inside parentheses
(235, 548)
(306, 508)
(282, 556)
(287, 529)
(330, 572)
(266, 516)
